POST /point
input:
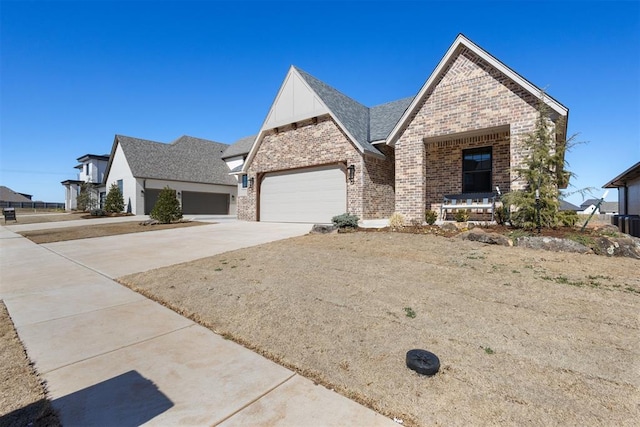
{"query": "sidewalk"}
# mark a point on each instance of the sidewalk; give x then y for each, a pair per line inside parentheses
(112, 357)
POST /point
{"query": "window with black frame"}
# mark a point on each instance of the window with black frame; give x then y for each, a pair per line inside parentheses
(476, 170)
(245, 181)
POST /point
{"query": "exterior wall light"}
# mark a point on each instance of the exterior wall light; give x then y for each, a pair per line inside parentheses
(351, 173)
(251, 181)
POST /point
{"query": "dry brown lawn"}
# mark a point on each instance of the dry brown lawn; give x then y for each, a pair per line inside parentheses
(524, 337)
(31, 218)
(23, 398)
(99, 230)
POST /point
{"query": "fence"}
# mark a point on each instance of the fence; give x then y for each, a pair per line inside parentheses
(32, 205)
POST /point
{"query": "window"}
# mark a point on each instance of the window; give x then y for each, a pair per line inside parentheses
(245, 181)
(120, 187)
(476, 170)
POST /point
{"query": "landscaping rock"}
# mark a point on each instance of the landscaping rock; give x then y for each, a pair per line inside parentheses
(479, 235)
(553, 244)
(627, 246)
(457, 226)
(323, 229)
(150, 222)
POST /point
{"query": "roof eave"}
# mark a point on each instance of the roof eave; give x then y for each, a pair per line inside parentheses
(620, 180)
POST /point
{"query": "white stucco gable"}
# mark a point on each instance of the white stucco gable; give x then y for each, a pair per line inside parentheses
(295, 101)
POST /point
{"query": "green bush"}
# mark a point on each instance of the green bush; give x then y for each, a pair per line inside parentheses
(345, 220)
(502, 214)
(430, 217)
(114, 202)
(167, 207)
(462, 215)
(98, 212)
(568, 218)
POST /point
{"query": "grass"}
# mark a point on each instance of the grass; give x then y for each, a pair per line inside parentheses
(409, 312)
(326, 306)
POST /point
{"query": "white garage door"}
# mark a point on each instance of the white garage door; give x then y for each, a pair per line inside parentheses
(311, 195)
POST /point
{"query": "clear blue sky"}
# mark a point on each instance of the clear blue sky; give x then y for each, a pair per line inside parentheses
(74, 74)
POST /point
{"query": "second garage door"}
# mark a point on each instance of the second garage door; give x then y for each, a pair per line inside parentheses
(205, 203)
(310, 195)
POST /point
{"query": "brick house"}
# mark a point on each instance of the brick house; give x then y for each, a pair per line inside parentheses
(320, 153)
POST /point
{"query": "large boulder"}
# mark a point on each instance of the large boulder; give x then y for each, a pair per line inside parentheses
(626, 246)
(323, 229)
(553, 244)
(479, 235)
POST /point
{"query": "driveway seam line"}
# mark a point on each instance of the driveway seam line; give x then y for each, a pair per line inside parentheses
(293, 374)
(80, 264)
(119, 348)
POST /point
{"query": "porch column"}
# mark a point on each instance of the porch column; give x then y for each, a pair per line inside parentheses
(411, 177)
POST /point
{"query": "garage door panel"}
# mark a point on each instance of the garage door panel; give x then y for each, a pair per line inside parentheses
(150, 198)
(198, 203)
(311, 195)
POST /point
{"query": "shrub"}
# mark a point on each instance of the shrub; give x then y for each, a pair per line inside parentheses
(568, 218)
(346, 220)
(167, 207)
(114, 202)
(502, 214)
(430, 217)
(396, 221)
(98, 212)
(462, 215)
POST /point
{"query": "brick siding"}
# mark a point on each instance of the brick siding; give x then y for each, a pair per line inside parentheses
(470, 96)
(321, 142)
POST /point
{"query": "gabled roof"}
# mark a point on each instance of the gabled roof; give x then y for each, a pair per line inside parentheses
(629, 175)
(240, 147)
(588, 203)
(362, 125)
(459, 43)
(186, 159)
(352, 115)
(8, 195)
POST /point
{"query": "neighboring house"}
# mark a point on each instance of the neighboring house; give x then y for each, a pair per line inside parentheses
(628, 185)
(591, 206)
(8, 195)
(566, 206)
(609, 208)
(193, 167)
(235, 156)
(91, 169)
(588, 207)
(320, 153)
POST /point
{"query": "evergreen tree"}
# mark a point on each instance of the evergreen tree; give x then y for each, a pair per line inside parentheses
(544, 172)
(86, 199)
(114, 203)
(167, 207)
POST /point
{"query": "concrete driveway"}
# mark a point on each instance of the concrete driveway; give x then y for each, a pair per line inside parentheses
(110, 356)
(116, 256)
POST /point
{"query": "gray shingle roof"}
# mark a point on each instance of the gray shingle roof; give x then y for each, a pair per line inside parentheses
(240, 147)
(353, 115)
(363, 123)
(185, 159)
(8, 195)
(566, 206)
(382, 118)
